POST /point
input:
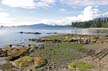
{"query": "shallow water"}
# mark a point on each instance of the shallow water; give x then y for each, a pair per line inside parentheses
(12, 35)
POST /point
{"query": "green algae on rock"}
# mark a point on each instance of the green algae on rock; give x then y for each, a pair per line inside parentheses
(29, 61)
(82, 66)
(16, 51)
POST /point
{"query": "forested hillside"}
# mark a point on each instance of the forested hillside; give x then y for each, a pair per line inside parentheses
(96, 23)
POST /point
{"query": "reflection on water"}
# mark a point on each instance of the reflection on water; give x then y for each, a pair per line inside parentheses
(12, 35)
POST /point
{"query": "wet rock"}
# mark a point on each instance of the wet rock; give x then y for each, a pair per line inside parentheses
(1, 50)
(21, 32)
(8, 67)
(29, 61)
(55, 33)
(3, 53)
(37, 40)
(56, 40)
(29, 32)
(10, 45)
(46, 40)
(15, 53)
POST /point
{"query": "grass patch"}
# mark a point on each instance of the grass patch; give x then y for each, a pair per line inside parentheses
(61, 52)
(82, 66)
(70, 45)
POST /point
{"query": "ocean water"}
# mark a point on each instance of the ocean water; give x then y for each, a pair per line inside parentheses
(12, 35)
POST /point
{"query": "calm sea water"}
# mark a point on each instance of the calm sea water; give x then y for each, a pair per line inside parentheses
(12, 35)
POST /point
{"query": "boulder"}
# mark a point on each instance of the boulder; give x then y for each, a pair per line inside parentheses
(27, 61)
(15, 53)
(3, 53)
(29, 32)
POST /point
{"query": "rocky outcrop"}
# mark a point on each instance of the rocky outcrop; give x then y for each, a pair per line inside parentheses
(46, 40)
(3, 53)
(15, 53)
(29, 32)
(29, 61)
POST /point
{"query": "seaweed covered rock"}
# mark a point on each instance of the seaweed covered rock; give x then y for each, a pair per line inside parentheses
(79, 66)
(3, 53)
(29, 61)
(16, 51)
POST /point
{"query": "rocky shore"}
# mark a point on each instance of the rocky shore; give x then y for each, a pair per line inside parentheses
(29, 32)
(57, 53)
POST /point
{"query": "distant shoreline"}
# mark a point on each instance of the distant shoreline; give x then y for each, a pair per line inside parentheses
(98, 28)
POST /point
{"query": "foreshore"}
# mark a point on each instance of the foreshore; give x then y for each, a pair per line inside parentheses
(60, 52)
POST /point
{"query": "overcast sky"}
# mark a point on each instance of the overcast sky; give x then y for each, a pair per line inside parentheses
(59, 12)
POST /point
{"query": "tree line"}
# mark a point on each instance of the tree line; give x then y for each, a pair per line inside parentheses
(96, 23)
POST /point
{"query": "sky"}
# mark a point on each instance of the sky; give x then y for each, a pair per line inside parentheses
(53, 12)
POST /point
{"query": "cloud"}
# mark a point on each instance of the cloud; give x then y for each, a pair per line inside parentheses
(19, 3)
(4, 18)
(88, 13)
(28, 4)
(7, 20)
(104, 14)
(43, 3)
(85, 2)
(63, 10)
